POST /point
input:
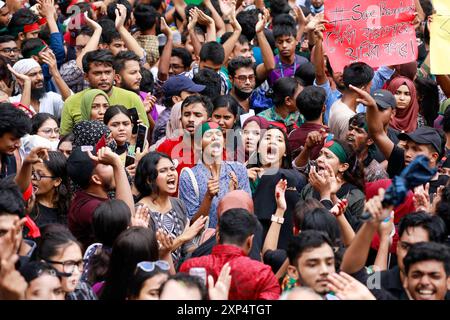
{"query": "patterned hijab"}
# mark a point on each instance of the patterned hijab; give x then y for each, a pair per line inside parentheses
(88, 133)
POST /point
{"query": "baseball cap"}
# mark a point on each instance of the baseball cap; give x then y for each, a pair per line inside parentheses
(80, 167)
(424, 135)
(175, 84)
(384, 99)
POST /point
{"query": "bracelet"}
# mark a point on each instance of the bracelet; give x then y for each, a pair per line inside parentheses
(226, 21)
(276, 219)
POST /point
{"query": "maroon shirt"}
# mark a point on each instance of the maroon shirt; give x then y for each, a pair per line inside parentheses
(250, 279)
(297, 139)
(80, 216)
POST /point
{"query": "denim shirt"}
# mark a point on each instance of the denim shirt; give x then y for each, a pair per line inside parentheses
(202, 175)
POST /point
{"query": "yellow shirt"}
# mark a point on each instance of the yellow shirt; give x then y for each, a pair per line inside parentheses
(71, 112)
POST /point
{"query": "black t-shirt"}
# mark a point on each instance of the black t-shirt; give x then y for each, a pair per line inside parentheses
(396, 162)
(372, 283)
(393, 135)
(45, 215)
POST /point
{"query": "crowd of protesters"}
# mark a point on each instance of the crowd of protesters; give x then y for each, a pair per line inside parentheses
(207, 150)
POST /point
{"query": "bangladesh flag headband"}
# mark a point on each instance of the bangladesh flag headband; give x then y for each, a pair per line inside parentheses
(338, 150)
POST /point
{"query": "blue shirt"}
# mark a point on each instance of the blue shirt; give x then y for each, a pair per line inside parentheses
(202, 174)
(379, 78)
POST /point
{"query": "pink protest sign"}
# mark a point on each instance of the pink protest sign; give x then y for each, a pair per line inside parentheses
(377, 32)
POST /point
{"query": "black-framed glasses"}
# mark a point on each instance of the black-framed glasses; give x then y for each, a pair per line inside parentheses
(69, 265)
(149, 266)
(36, 176)
(9, 50)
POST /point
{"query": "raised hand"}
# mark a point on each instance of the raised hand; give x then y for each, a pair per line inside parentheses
(346, 287)
(150, 100)
(191, 231)
(121, 14)
(227, 6)
(46, 8)
(165, 242)
(165, 28)
(213, 186)
(220, 290)
(254, 173)
(193, 18)
(339, 208)
(141, 217)
(364, 97)
(91, 23)
(262, 21)
(50, 59)
(315, 138)
(105, 156)
(280, 192)
(37, 155)
(21, 78)
(203, 18)
(422, 198)
(375, 207)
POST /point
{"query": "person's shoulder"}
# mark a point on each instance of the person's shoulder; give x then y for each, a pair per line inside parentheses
(75, 97)
(194, 262)
(127, 93)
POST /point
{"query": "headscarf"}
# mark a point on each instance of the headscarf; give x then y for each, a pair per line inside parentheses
(87, 100)
(233, 200)
(88, 133)
(24, 66)
(174, 126)
(262, 123)
(405, 119)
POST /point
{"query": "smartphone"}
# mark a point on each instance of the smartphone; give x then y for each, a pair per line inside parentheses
(141, 137)
(129, 160)
(134, 119)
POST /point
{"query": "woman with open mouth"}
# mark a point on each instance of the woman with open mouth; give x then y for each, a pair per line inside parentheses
(337, 174)
(156, 181)
(205, 184)
(274, 163)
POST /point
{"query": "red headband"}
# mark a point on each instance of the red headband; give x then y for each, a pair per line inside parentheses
(42, 21)
(31, 27)
(27, 193)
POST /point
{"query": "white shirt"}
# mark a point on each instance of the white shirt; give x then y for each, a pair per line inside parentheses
(51, 103)
(340, 114)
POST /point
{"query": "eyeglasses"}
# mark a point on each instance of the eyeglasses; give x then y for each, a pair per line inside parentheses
(69, 265)
(149, 266)
(36, 176)
(50, 130)
(242, 78)
(9, 50)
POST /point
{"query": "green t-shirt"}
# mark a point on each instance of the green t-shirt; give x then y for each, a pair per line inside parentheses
(71, 112)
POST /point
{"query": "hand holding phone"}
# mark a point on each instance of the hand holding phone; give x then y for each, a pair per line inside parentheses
(134, 119)
(141, 137)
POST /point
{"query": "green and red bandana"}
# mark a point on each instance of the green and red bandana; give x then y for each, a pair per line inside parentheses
(338, 150)
(207, 126)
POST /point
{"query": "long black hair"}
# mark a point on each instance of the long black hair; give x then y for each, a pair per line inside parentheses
(38, 120)
(56, 164)
(428, 98)
(283, 88)
(232, 105)
(134, 245)
(146, 174)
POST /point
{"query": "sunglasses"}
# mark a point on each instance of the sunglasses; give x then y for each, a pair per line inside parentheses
(149, 266)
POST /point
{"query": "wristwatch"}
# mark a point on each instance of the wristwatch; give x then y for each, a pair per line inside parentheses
(276, 219)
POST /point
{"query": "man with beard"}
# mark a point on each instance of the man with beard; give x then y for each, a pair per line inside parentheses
(427, 271)
(358, 137)
(8, 48)
(41, 101)
(242, 74)
(96, 175)
(98, 70)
